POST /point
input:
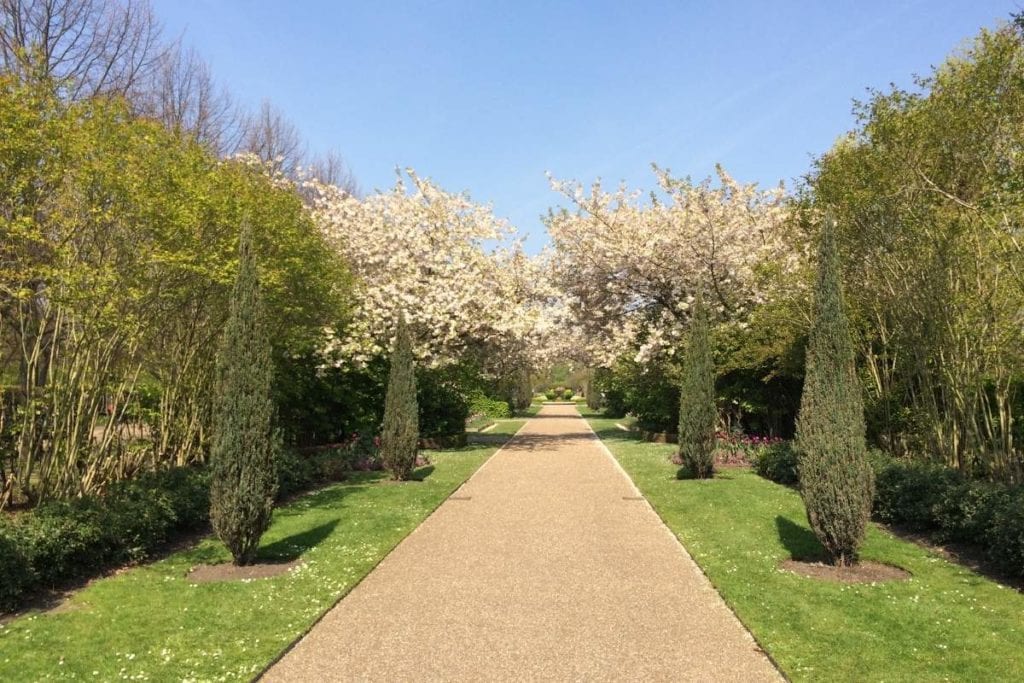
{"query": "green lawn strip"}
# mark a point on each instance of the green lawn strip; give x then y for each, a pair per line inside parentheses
(479, 423)
(506, 427)
(151, 623)
(945, 623)
(531, 411)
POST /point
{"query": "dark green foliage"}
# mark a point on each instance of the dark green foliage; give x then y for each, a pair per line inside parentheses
(760, 398)
(441, 400)
(62, 541)
(966, 511)
(652, 396)
(400, 431)
(698, 416)
(244, 477)
(907, 492)
(1004, 535)
(836, 480)
(567, 394)
(607, 393)
(595, 399)
(300, 471)
(16, 573)
(65, 540)
(319, 404)
(777, 463)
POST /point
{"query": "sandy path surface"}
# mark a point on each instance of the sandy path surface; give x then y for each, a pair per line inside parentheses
(546, 564)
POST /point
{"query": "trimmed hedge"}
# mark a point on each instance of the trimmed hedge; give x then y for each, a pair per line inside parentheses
(935, 499)
(63, 541)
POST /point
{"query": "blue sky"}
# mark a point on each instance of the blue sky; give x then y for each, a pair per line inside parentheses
(486, 96)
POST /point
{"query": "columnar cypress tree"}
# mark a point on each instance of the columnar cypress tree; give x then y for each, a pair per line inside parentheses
(836, 480)
(698, 415)
(400, 432)
(244, 478)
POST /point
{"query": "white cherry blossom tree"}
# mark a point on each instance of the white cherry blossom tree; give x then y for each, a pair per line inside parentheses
(630, 266)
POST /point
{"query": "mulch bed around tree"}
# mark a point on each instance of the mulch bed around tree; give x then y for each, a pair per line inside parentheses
(862, 572)
(206, 573)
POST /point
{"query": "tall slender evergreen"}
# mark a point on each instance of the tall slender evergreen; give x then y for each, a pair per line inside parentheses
(836, 480)
(400, 432)
(698, 415)
(244, 478)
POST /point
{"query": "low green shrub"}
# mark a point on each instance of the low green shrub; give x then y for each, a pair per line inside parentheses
(480, 404)
(65, 540)
(16, 572)
(777, 462)
(907, 492)
(568, 394)
(965, 511)
(296, 472)
(443, 407)
(1004, 535)
(299, 471)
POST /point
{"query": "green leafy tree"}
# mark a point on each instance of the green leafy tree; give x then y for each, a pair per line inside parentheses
(244, 480)
(928, 191)
(836, 480)
(400, 431)
(697, 412)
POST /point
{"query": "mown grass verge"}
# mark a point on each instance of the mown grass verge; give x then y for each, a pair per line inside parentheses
(944, 623)
(151, 623)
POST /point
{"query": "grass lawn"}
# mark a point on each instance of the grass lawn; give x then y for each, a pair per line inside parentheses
(506, 427)
(534, 408)
(478, 423)
(150, 623)
(945, 623)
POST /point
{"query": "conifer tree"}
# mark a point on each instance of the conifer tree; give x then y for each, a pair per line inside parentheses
(836, 480)
(244, 477)
(698, 415)
(400, 431)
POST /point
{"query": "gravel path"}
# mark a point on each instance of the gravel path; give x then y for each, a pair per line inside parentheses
(546, 564)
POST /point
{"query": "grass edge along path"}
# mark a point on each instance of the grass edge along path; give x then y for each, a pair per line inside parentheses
(151, 623)
(944, 623)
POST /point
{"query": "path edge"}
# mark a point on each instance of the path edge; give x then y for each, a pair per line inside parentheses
(679, 542)
(327, 610)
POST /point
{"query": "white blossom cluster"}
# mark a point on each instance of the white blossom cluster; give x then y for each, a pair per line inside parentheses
(632, 266)
(452, 267)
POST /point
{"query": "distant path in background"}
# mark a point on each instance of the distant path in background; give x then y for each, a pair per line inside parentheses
(546, 564)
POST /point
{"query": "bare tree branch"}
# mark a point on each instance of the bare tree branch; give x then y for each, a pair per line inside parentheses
(88, 47)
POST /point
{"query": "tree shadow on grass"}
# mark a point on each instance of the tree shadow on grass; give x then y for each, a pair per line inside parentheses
(799, 541)
(207, 552)
(685, 473)
(294, 546)
(473, 446)
(616, 434)
(421, 473)
(330, 497)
